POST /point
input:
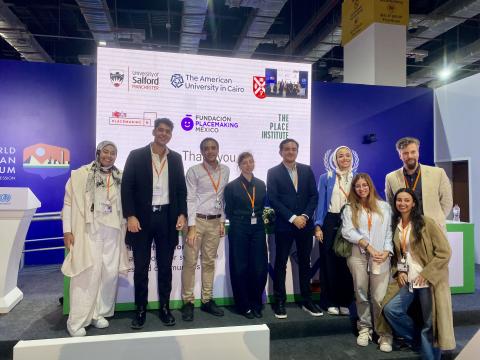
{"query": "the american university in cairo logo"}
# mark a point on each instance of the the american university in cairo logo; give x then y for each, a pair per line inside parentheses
(259, 84)
(177, 80)
(116, 77)
(328, 161)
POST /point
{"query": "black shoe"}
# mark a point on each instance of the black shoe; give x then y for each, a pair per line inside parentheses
(140, 317)
(248, 314)
(211, 308)
(166, 316)
(311, 308)
(257, 313)
(187, 311)
(279, 310)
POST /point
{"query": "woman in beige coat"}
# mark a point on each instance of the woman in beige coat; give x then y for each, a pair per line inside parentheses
(420, 268)
(93, 230)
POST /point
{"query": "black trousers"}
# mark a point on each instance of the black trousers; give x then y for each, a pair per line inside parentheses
(336, 282)
(283, 244)
(248, 263)
(163, 253)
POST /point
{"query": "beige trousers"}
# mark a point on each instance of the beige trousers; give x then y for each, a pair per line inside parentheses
(208, 239)
(369, 289)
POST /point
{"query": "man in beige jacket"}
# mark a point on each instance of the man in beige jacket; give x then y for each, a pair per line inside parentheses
(430, 184)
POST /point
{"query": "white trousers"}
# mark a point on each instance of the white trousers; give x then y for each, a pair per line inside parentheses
(369, 289)
(93, 291)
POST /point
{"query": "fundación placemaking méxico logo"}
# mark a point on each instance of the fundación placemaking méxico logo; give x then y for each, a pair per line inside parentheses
(209, 123)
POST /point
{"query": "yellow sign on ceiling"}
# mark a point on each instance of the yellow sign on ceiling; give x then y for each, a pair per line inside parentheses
(357, 15)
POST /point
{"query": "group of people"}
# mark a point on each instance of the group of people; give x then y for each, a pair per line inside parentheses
(153, 200)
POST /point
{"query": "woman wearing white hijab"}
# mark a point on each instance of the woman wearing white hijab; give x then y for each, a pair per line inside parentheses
(333, 189)
(94, 230)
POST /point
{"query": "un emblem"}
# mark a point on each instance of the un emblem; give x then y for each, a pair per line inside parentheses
(330, 164)
(5, 198)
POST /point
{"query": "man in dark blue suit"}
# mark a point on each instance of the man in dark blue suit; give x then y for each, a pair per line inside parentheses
(292, 192)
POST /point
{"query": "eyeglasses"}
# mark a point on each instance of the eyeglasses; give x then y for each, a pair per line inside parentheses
(361, 186)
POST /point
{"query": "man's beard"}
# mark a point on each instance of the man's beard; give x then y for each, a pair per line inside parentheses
(412, 165)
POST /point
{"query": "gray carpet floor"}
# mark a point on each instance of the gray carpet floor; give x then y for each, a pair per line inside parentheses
(39, 316)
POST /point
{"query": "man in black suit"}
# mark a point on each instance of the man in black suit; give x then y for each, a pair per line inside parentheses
(292, 192)
(154, 201)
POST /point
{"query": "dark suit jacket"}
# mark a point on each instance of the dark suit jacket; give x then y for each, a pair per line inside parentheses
(286, 201)
(137, 191)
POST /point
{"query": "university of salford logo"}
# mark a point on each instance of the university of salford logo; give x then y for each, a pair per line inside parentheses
(116, 77)
(259, 87)
(176, 80)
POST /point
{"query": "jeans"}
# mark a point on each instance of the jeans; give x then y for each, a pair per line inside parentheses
(402, 324)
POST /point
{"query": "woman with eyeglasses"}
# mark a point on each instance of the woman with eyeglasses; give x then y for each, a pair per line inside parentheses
(366, 224)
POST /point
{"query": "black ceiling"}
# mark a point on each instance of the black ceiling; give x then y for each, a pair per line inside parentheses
(60, 28)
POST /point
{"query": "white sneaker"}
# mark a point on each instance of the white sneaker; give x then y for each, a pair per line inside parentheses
(100, 323)
(385, 343)
(78, 333)
(332, 310)
(364, 337)
(344, 311)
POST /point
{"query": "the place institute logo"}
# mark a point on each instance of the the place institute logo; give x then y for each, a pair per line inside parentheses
(116, 77)
(177, 80)
(259, 84)
(46, 160)
(328, 161)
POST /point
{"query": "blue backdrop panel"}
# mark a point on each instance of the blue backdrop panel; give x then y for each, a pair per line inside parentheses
(46, 111)
(343, 113)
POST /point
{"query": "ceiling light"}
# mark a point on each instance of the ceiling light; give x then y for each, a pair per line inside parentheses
(445, 73)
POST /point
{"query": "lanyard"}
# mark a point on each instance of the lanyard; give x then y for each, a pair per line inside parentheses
(340, 187)
(108, 186)
(251, 198)
(161, 168)
(215, 185)
(369, 219)
(415, 182)
(405, 238)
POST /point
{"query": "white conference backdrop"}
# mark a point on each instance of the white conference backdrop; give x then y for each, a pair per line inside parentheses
(203, 96)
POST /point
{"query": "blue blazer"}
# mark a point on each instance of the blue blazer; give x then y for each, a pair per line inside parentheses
(326, 183)
(286, 201)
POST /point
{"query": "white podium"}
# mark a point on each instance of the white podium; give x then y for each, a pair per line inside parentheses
(17, 206)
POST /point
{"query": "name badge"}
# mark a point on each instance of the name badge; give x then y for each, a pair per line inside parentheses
(253, 221)
(106, 208)
(402, 267)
